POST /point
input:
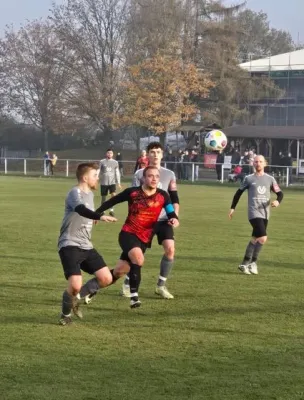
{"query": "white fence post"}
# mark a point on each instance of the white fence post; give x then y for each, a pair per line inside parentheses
(192, 177)
(5, 166)
(287, 177)
(223, 173)
(24, 166)
(67, 168)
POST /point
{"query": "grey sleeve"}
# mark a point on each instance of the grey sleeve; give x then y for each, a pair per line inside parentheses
(136, 181)
(117, 174)
(245, 184)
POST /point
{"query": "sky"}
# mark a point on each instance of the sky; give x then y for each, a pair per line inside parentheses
(287, 15)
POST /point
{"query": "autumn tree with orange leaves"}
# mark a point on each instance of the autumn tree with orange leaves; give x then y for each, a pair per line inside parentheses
(160, 92)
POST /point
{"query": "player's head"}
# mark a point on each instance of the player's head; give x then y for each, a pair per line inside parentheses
(259, 163)
(151, 177)
(143, 153)
(155, 153)
(88, 173)
(109, 154)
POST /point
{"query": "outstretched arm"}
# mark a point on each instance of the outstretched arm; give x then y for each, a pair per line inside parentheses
(119, 198)
(235, 201)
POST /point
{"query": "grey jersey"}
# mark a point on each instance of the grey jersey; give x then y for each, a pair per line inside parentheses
(259, 192)
(167, 182)
(109, 172)
(76, 230)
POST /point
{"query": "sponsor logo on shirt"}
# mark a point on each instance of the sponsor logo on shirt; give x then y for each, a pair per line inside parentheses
(261, 189)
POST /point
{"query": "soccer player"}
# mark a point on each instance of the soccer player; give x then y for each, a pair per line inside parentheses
(163, 230)
(259, 186)
(75, 248)
(109, 177)
(146, 203)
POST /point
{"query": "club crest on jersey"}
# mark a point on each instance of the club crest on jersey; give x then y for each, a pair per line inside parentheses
(261, 189)
(108, 169)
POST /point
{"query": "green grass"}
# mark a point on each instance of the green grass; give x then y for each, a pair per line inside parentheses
(225, 336)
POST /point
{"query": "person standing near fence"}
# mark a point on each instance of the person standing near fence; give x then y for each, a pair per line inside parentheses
(53, 163)
(218, 167)
(142, 161)
(109, 177)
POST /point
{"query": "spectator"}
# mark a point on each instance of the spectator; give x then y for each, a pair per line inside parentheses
(180, 160)
(236, 157)
(236, 174)
(53, 162)
(194, 159)
(186, 165)
(142, 161)
(219, 162)
(170, 161)
(120, 163)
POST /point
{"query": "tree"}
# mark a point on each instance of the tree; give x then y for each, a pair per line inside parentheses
(93, 31)
(159, 93)
(258, 40)
(34, 76)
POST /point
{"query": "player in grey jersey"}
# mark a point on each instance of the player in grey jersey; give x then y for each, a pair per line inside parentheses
(75, 247)
(109, 177)
(259, 186)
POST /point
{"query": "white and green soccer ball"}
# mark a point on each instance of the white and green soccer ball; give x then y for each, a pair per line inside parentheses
(216, 140)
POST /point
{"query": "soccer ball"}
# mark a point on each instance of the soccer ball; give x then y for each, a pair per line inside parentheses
(215, 140)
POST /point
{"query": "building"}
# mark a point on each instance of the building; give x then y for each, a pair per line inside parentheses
(281, 127)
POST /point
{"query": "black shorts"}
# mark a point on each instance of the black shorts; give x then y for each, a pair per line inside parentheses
(259, 226)
(127, 242)
(105, 189)
(163, 231)
(74, 259)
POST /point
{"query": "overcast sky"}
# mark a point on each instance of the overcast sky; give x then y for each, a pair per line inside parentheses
(282, 14)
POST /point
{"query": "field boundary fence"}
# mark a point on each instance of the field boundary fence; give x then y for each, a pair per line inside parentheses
(185, 171)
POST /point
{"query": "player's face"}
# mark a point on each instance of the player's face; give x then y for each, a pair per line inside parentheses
(91, 178)
(259, 163)
(151, 180)
(109, 154)
(143, 153)
(155, 156)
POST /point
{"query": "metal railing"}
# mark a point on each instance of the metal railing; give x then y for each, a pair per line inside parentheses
(185, 171)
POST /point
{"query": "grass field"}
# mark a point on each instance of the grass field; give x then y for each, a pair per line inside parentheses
(224, 336)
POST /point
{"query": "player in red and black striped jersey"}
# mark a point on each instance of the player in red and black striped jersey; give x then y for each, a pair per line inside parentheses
(145, 205)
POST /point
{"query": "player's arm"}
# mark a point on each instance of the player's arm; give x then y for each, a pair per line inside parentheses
(119, 198)
(172, 190)
(117, 175)
(136, 181)
(276, 189)
(171, 214)
(237, 196)
(136, 165)
(76, 202)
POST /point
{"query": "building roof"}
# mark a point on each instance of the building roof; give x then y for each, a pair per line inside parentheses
(265, 132)
(292, 61)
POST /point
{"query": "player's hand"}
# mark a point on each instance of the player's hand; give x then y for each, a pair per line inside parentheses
(231, 213)
(275, 203)
(107, 218)
(174, 222)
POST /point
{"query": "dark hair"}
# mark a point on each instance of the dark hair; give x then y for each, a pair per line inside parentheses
(154, 145)
(84, 168)
(147, 169)
(109, 150)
